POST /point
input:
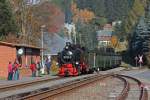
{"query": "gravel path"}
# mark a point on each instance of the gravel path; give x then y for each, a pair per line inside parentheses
(106, 89)
(134, 92)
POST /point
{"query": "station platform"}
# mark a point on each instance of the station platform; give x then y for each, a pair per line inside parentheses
(25, 79)
(30, 78)
(134, 71)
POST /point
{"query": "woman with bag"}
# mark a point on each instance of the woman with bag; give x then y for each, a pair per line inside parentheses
(10, 71)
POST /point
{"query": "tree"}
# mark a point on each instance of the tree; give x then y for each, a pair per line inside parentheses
(140, 43)
(7, 20)
(85, 28)
(114, 41)
(137, 10)
(83, 15)
(115, 10)
(48, 14)
(22, 12)
(86, 35)
(96, 6)
(31, 17)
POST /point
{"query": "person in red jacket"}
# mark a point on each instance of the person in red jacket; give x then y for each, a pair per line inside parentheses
(15, 68)
(10, 71)
(33, 69)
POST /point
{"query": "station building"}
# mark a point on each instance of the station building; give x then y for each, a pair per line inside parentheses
(23, 53)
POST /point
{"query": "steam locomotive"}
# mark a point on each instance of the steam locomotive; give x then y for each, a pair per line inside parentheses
(72, 61)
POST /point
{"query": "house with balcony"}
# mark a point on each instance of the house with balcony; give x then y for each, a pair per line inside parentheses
(104, 36)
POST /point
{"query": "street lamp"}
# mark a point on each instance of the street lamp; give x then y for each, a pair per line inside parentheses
(42, 32)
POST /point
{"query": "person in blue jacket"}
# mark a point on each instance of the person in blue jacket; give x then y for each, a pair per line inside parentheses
(48, 65)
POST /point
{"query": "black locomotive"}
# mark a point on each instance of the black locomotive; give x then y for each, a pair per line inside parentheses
(72, 60)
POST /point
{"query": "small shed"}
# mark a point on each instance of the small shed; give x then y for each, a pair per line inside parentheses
(22, 52)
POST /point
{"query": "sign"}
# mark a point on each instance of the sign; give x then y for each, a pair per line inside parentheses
(141, 59)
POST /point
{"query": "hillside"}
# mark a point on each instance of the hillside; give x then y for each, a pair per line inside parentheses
(88, 16)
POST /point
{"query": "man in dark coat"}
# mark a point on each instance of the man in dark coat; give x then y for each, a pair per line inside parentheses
(48, 65)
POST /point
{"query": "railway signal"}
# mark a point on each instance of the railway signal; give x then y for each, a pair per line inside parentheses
(140, 60)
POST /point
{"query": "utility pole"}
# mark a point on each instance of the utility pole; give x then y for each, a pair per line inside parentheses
(80, 38)
(94, 60)
(42, 58)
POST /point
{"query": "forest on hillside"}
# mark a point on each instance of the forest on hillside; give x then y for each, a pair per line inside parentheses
(104, 11)
(21, 21)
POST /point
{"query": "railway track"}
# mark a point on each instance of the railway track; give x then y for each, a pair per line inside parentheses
(14, 86)
(52, 92)
(128, 88)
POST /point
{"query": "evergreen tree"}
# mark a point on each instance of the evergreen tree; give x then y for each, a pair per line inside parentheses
(141, 38)
(147, 18)
(86, 35)
(7, 21)
(116, 10)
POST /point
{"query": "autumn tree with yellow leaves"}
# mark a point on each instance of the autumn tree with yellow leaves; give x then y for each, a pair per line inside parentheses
(83, 15)
(85, 28)
(30, 18)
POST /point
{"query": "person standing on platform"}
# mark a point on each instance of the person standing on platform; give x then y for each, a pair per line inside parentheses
(48, 65)
(16, 70)
(33, 69)
(38, 68)
(10, 71)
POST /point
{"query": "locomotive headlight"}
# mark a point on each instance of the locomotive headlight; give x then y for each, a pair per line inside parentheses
(77, 63)
(70, 53)
(66, 47)
(56, 63)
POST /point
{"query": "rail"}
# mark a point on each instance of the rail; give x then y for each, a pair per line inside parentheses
(125, 90)
(4, 88)
(63, 88)
(143, 90)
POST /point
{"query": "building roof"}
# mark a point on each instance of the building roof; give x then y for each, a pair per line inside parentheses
(104, 35)
(19, 45)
